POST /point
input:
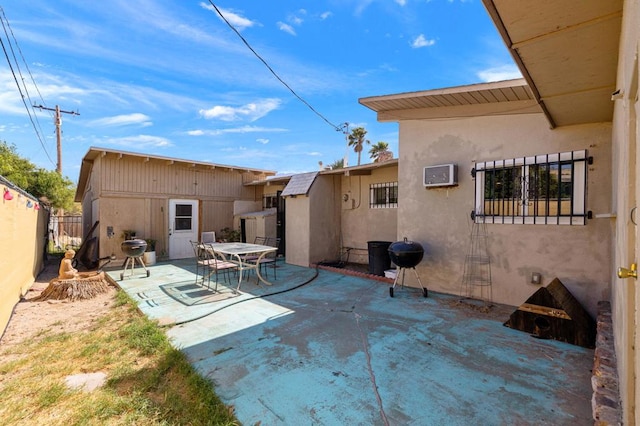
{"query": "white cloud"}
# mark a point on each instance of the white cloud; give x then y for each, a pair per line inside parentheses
(123, 120)
(361, 6)
(263, 141)
(286, 28)
(503, 72)
(240, 22)
(242, 130)
(401, 2)
(421, 41)
(140, 141)
(296, 20)
(252, 111)
(325, 15)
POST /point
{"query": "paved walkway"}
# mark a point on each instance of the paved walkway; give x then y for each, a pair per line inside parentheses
(340, 351)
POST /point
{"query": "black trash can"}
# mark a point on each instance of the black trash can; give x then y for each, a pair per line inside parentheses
(379, 260)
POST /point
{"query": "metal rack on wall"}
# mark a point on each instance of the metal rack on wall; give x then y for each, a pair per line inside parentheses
(476, 281)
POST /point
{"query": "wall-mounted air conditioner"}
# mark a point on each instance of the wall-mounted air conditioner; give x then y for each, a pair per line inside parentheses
(442, 175)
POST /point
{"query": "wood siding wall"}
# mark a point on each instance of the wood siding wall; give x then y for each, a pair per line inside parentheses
(216, 215)
(134, 194)
(133, 176)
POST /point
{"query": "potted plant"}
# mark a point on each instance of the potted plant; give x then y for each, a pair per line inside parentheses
(129, 234)
(228, 235)
(149, 256)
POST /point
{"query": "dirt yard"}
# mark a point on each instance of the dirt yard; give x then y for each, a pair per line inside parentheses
(31, 318)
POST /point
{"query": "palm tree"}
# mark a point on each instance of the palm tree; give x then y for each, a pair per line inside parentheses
(379, 152)
(357, 140)
(338, 164)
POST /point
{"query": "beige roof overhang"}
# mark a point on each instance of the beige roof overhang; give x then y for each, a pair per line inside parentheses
(497, 98)
(94, 152)
(271, 180)
(362, 170)
(567, 52)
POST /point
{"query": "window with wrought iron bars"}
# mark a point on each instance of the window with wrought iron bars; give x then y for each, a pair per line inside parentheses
(383, 195)
(544, 189)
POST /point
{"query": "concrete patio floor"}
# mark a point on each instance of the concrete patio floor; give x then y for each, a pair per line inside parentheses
(340, 351)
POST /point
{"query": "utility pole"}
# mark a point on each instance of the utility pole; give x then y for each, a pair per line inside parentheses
(58, 122)
(345, 131)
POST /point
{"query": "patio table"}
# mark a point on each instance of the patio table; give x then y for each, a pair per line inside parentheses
(237, 253)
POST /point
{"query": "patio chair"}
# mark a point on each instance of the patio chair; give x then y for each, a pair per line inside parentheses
(202, 260)
(252, 257)
(270, 259)
(216, 262)
(208, 237)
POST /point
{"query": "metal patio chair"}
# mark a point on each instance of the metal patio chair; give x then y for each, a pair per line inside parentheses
(208, 237)
(217, 262)
(201, 260)
(252, 257)
(271, 259)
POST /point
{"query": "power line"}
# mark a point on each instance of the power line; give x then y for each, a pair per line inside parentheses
(3, 19)
(26, 65)
(337, 128)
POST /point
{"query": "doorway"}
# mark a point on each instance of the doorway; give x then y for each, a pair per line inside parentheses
(183, 227)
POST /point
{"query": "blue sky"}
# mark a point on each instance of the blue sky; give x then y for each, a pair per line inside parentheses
(170, 78)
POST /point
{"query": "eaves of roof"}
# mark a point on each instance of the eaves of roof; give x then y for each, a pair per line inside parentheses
(567, 53)
(95, 152)
(496, 98)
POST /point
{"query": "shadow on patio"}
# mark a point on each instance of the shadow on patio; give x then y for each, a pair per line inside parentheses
(339, 350)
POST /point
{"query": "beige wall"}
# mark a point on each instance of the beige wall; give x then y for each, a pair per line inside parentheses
(360, 223)
(22, 244)
(440, 218)
(626, 193)
(324, 222)
(298, 223)
(318, 226)
(313, 223)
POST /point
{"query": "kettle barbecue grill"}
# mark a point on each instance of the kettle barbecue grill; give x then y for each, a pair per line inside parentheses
(406, 254)
(134, 249)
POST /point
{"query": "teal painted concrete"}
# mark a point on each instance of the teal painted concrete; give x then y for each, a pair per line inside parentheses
(340, 351)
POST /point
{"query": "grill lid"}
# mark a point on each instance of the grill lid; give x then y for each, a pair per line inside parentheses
(406, 254)
(133, 248)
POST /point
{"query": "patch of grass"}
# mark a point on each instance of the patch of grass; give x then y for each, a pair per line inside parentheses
(148, 381)
(144, 336)
(51, 394)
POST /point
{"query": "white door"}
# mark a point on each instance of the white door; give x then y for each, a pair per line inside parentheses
(183, 227)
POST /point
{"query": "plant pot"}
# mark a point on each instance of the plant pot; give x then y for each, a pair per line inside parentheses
(149, 258)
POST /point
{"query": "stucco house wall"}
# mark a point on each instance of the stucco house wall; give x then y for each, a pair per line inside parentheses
(298, 235)
(440, 218)
(360, 222)
(313, 223)
(336, 215)
(324, 198)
